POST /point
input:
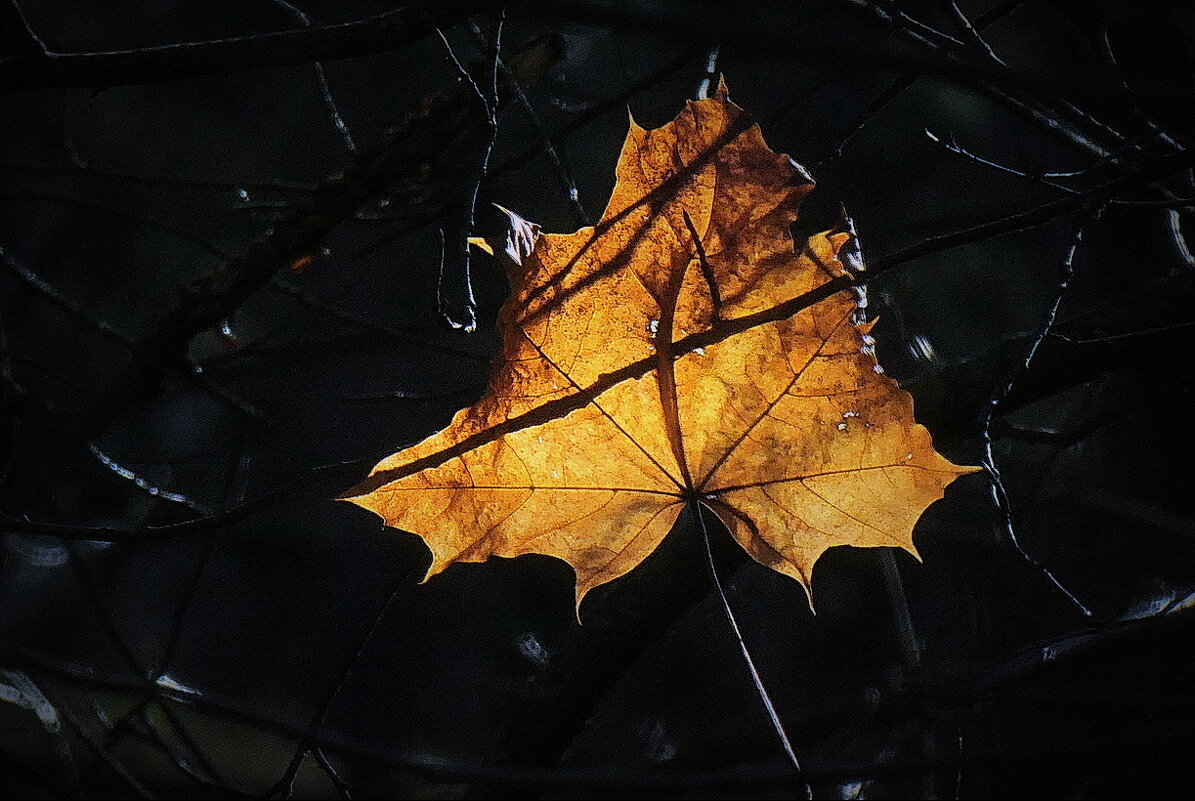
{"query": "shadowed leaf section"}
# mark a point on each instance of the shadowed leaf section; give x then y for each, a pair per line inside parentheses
(663, 356)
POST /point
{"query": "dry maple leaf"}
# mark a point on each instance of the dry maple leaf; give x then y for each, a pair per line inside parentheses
(670, 354)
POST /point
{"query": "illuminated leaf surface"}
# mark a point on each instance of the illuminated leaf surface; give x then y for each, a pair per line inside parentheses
(644, 365)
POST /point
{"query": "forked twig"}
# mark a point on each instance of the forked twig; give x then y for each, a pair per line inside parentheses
(999, 493)
(455, 286)
(564, 173)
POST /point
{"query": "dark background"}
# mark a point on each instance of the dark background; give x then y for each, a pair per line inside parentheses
(281, 645)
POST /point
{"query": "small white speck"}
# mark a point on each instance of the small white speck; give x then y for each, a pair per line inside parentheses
(540, 440)
(243, 194)
(877, 368)
(699, 351)
(841, 426)
(849, 415)
(908, 456)
(555, 474)
(170, 684)
(532, 649)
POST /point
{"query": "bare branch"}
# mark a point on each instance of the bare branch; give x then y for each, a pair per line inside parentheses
(999, 493)
(207, 524)
(971, 31)
(325, 90)
(39, 66)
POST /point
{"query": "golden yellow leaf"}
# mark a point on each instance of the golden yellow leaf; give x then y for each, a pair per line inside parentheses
(666, 355)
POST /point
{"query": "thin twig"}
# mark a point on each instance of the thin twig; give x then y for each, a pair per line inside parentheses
(62, 301)
(39, 66)
(698, 511)
(455, 286)
(907, 79)
(322, 80)
(223, 393)
(199, 525)
(876, 105)
(341, 786)
(144, 485)
(123, 214)
(971, 32)
(192, 760)
(1159, 168)
(1161, 329)
(465, 75)
(239, 187)
(1110, 55)
(1046, 178)
(437, 768)
(564, 173)
(321, 713)
(1039, 113)
(578, 122)
(105, 755)
(952, 146)
(917, 31)
(999, 494)
(281, 284)
(1174, 221)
